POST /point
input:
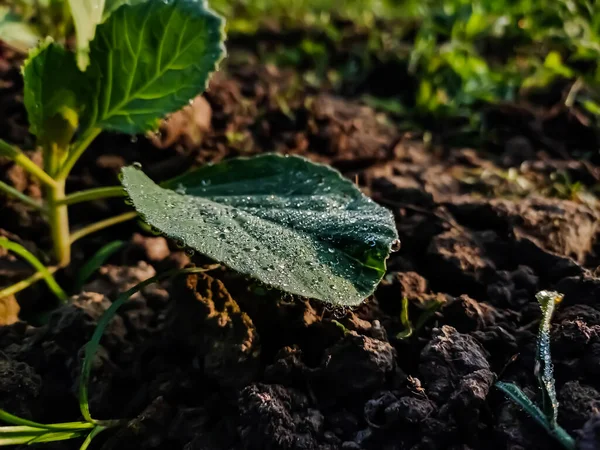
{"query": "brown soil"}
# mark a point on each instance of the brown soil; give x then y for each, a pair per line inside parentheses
(214, 362)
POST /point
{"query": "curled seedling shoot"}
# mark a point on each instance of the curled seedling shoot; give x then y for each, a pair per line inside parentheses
(546, 415)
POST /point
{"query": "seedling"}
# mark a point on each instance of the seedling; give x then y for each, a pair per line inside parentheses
(547, 415)
(290, 223)
(144, 60)
(409, 328)
(23, 431)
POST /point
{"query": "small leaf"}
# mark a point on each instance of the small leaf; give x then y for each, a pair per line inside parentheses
(53, 436)
(543, 361)
(53, 93)
(290, 223)
(513, 392)
(16, 32)
(87, 14)
(26, 424)
(149, 59)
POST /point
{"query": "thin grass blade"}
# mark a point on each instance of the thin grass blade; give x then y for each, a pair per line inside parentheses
(52, 436)
(88, 440)
(513, 392)
(96, 262)
(94, 343)
(37, 265)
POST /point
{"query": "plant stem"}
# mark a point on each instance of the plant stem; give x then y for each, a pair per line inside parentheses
(37, 265)
(88, 440)
(19, 195)
(94, 342)
(58, 218)
(76, 151)
(24, 284)
(22, 160)
(93, 194)
(564, 438)
(102, 224)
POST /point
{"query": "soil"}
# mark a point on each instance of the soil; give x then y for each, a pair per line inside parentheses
(216, 362)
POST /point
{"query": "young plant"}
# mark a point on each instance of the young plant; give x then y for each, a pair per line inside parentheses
(546, 416)
(292, 224)
(147, 58)
(23, 431)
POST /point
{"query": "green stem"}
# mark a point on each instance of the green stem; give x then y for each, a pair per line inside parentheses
(58, 218)
(564, 438)
(88, 440)
(24, 284)
(94, 343)
(22, 160)
(101, 225)
(93, 194)
(76, 151)
(19, 195)
(43, 272)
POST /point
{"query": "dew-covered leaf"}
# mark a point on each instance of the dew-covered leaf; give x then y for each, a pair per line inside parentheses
(543, 361)
(292, 224)
(150, 59)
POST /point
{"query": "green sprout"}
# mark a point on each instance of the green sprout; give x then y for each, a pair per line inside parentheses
(546, 416)
(23, 431)
(409, 328)
(131, 68)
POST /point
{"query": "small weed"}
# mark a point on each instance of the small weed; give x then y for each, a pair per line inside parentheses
(546, 415)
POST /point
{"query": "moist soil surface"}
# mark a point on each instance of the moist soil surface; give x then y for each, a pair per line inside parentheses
(216, 361)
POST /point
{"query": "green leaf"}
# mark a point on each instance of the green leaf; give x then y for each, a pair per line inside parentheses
(53, 436)
(87, 14)
(513, 392)
(543, 361)
(53, 93)
(290, 223)
(149, 59)
(16, 32)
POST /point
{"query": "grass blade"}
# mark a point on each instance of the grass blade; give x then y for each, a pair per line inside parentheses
(52, 436)
(513, 392)
(543, 361)
(94, 343)
(95, 263)
(19, 435)
(88, 440)
(14, 420)
(37, 265)
(408, 326)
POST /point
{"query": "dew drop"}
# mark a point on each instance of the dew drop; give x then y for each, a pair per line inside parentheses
(133, 139)
(137, 165)
(331, 250)
(396, 245)
(189, 251)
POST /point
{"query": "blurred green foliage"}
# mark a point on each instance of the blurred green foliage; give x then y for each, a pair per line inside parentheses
(448, 56)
